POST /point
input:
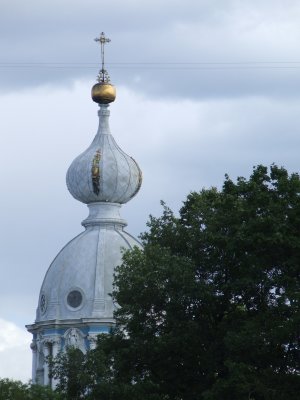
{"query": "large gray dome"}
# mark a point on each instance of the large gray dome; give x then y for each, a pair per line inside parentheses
(104, 172)
(78, 283)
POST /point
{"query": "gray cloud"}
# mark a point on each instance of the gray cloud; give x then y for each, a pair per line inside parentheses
(155, 32)
(14, 350)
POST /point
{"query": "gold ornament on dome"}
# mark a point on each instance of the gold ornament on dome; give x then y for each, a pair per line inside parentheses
(96, 172)
(103, 92)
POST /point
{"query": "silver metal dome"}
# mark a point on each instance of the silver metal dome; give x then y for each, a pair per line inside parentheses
(78, 283)
(104, 172)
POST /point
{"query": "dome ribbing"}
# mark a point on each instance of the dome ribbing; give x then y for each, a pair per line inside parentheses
(103, 172)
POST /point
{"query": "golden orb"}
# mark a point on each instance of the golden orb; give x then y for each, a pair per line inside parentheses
(103, 93)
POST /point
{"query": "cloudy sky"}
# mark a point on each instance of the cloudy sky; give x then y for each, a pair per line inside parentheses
(204, 88)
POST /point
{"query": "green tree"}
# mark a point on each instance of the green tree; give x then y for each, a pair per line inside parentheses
(210, 308)
(69, 368)
(16, 390)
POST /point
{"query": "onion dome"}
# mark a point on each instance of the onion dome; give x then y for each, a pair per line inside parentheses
(103, 172)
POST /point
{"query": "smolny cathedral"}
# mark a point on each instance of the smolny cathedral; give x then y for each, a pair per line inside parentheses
(74, 304)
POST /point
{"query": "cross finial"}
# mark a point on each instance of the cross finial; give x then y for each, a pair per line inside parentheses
(103, 74)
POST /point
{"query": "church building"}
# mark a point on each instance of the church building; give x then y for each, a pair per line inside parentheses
(74, 304)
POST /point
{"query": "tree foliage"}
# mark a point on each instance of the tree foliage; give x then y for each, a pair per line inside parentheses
(16, 390)
(72, 373)
(210, 308)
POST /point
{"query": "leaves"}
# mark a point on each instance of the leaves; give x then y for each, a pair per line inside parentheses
(210, 308)
(69, 369)
(16, 390)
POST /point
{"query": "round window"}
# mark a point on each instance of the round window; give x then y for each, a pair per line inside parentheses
(74, 299)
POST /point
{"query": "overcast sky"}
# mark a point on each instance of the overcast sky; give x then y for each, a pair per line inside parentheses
(204, 88)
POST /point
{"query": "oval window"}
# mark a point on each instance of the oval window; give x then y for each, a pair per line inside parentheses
(74, 299)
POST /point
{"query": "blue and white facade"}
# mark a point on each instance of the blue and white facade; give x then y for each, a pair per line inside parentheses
(74, 302)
